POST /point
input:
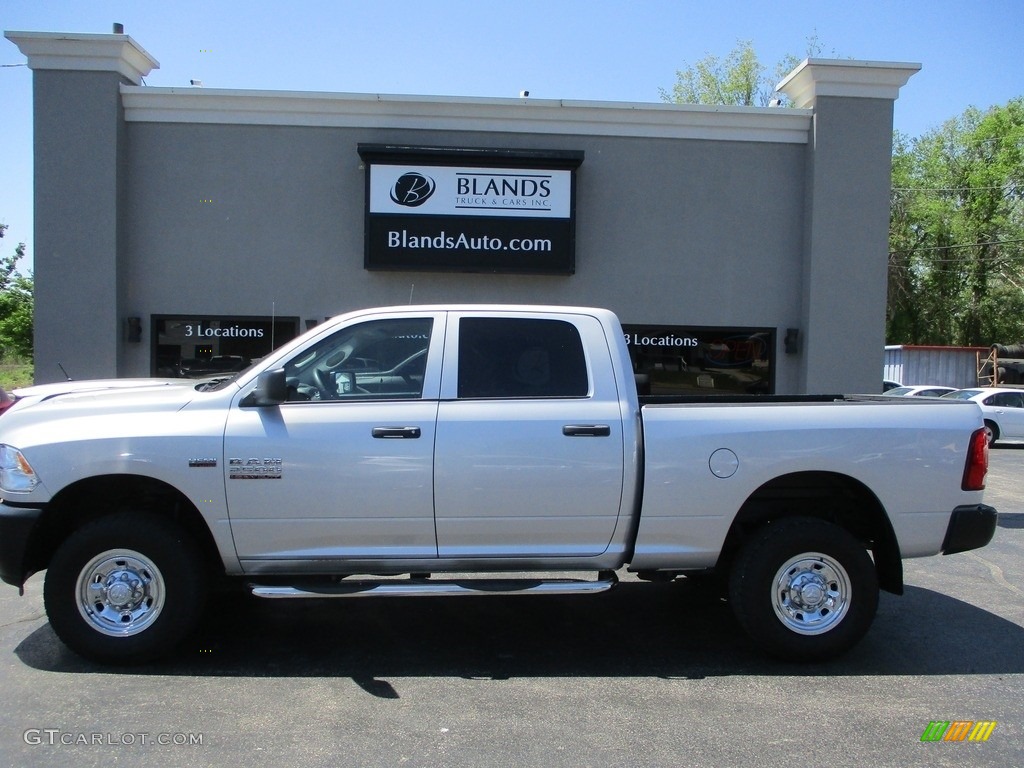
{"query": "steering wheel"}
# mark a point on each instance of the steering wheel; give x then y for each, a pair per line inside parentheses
(326, 382)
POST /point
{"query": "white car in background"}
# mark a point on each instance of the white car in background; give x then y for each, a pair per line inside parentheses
(1002, 409)
(925, 390)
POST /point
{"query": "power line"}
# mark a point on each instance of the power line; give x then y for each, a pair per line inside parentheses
(955, 247)
(1011, 185)
(964, 245)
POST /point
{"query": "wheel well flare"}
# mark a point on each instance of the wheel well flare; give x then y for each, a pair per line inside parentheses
(96, 497)
(829, 496)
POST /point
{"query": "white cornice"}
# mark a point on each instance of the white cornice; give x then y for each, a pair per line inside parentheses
(848, 78)
(92, 53)
(549, 116)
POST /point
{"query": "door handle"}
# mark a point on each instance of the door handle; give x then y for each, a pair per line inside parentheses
(385, 433)
(587, 430)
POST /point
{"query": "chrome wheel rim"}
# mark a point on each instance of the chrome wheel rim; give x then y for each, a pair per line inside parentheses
(811, 593)
(120, 592)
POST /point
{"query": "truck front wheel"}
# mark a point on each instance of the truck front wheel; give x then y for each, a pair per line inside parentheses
(804, 589)
(124, 589)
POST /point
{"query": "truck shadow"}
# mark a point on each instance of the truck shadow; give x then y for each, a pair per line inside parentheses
(1011, 520)
(636, 630)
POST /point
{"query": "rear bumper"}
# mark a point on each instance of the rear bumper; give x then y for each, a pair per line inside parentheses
(16, 526)
(970, 527)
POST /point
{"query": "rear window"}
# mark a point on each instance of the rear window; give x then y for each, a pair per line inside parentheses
(899, 391)
(963, 394)
(520, 357)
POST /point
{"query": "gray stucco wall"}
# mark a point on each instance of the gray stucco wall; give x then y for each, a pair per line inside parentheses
(78, 135)
(234, 219)
(846, 243)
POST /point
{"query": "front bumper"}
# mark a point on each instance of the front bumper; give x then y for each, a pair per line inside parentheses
(970, 527)
(16, 526)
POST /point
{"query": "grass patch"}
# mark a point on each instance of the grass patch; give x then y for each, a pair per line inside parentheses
(15, 374)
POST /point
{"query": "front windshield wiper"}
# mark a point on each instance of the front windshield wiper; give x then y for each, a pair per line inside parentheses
(215, 384)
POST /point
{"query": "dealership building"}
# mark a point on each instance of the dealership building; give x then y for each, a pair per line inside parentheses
(184, 231)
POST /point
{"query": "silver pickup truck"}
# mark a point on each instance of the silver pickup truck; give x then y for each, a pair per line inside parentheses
(426, 450)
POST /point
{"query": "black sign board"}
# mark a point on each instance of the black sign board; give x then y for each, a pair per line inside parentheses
(470, 210)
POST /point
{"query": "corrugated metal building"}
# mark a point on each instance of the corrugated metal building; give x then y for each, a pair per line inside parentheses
(942, 366)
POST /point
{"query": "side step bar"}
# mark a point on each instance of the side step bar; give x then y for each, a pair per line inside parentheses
(422, 587)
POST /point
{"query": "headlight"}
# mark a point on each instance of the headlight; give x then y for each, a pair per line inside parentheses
(16, 474)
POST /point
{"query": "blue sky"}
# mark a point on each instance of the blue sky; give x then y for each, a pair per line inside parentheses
(556, 49)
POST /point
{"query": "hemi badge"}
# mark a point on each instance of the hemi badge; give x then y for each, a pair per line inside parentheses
(202, 462)
(255, 469)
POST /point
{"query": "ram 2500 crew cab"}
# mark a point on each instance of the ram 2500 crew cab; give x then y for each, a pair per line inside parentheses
(416, 443)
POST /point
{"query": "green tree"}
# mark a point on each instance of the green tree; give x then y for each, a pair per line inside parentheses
(956, 242)
(739, 79)
(956, 262)
(16, 306)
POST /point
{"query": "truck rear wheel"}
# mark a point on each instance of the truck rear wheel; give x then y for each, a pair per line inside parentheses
(125, 589)
(804, 589)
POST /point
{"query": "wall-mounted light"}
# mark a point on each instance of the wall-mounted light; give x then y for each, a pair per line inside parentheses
(133, 329)
(791, 341)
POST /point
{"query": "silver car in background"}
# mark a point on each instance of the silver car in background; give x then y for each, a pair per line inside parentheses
(1002, 408)
(926, 390)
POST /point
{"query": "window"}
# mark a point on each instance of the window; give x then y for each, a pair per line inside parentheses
(518, 357)
(1006, 400)
(205, 346)
(688, 360)
(379, 359)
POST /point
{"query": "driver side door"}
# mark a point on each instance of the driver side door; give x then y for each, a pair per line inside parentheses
(344, 469)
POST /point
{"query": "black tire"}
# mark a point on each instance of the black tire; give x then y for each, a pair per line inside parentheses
(125, 589)
(804, 589)
(992, 429)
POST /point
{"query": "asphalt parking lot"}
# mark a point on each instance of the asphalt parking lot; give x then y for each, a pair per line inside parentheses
(645, 675)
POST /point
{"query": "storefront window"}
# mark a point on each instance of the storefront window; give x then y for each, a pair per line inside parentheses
(199, 346)
(682, 360)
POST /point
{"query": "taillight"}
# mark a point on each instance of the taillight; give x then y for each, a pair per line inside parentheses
(977, 462)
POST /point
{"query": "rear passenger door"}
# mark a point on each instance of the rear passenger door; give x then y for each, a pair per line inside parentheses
(529, 447)
(1009, 413)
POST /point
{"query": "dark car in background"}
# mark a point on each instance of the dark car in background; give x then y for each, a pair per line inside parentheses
(198, 368)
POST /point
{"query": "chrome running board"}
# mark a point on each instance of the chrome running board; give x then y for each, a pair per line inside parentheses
(425, 587)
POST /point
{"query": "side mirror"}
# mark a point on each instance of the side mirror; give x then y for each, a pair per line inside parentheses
(271, 389)
(346, 383)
